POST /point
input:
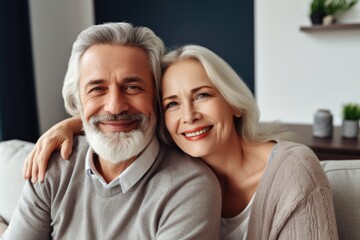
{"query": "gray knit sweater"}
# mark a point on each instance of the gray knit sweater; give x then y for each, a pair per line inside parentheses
(178, 198)
(293, 200)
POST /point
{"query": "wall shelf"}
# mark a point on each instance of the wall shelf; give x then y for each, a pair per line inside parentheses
(342, 26)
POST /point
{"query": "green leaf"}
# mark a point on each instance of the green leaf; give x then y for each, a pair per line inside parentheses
(351, 111)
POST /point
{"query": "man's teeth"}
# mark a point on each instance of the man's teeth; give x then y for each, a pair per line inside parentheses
(197, 133)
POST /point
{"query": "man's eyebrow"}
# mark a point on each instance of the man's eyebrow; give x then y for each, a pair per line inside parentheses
(125, 80)
(94, 82)
(133, 79)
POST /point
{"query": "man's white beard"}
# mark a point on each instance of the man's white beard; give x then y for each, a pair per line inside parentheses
(117, 147)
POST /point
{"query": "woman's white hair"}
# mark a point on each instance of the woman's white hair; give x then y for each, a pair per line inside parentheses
(116, 34)
(233, 90)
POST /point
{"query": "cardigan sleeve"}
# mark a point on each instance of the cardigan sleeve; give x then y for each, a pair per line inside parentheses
(313, 218)
(293, 199)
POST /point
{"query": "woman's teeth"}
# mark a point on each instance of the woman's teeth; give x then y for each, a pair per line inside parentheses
(197, 133)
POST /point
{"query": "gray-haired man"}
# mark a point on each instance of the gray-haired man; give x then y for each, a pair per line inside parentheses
(125, 185)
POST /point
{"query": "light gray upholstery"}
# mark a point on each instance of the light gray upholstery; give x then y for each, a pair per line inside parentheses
(12, 156)
(344, 177)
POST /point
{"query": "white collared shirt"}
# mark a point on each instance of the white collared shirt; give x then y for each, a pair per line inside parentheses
(132, 173)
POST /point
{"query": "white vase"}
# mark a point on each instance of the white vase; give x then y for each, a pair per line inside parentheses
(350, 128)
(328, 20)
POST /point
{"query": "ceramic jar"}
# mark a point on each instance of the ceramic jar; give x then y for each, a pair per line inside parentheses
(323, 124)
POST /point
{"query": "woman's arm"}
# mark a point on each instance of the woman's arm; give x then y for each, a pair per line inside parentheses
(60, 136)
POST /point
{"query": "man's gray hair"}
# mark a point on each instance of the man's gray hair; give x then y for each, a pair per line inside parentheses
(116, 34)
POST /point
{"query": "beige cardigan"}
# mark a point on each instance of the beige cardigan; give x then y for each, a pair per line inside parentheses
(293, 199)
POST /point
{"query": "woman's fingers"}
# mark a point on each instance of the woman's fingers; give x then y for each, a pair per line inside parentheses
(66, 148)
(28, 163)
(42, 159)
(60, 136)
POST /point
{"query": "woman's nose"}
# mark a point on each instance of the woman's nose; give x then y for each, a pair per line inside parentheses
(190, 114)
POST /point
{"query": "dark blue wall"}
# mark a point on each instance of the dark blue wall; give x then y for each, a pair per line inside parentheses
(226, 27)
(18, 113)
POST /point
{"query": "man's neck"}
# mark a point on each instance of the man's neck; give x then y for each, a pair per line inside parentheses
(108, 170)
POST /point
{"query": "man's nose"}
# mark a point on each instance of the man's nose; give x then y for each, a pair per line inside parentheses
(116, 102)
(190, 114)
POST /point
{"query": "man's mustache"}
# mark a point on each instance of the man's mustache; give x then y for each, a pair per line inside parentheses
(117, 117)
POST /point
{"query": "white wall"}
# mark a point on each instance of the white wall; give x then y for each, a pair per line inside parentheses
(297, 72)
(54, 26)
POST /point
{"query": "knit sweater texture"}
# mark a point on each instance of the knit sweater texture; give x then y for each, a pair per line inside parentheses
(293, 199)
(179, 197)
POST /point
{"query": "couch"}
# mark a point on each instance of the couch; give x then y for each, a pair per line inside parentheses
(344, 177)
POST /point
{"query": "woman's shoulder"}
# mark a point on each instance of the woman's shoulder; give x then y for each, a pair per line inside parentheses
(293, 180)
(295, 153)
(294, 169)
(297, 161)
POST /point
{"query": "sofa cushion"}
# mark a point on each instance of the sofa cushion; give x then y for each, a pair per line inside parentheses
(344, 178)
(3, 226)
(12, 156)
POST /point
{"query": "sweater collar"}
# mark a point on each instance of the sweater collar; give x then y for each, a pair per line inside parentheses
(132, 174)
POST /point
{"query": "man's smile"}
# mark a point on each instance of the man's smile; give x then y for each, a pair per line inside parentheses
(119, 125)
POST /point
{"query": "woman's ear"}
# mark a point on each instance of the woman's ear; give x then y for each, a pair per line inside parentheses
(237, 113)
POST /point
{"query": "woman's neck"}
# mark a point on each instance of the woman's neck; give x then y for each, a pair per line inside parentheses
(239, 167)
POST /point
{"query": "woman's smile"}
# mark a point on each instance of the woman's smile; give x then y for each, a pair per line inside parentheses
(197, 133)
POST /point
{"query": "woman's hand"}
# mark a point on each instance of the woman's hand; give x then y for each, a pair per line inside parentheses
(60, 136)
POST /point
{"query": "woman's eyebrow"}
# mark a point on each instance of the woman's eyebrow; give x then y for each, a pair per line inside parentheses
(194, 90)
(169, 97)
(201, 87)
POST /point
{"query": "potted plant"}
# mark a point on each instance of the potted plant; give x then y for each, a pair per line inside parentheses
(320, 9)
(334, 7)
(317, 11)
(351, 116)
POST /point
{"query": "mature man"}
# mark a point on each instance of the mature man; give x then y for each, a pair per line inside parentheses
(125, 185)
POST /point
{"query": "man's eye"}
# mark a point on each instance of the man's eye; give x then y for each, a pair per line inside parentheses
(132, 89)
(96, 89)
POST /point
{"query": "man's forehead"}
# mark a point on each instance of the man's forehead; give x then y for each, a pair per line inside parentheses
(101, 61)
(122, 53)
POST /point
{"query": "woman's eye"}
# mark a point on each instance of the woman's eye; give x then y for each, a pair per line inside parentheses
(201, 96)
(170, 105)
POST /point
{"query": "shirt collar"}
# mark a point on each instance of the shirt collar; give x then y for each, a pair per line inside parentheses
(131, 175)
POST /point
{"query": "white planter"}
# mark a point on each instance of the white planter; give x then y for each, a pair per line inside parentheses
(328, 20)
(350, 128)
